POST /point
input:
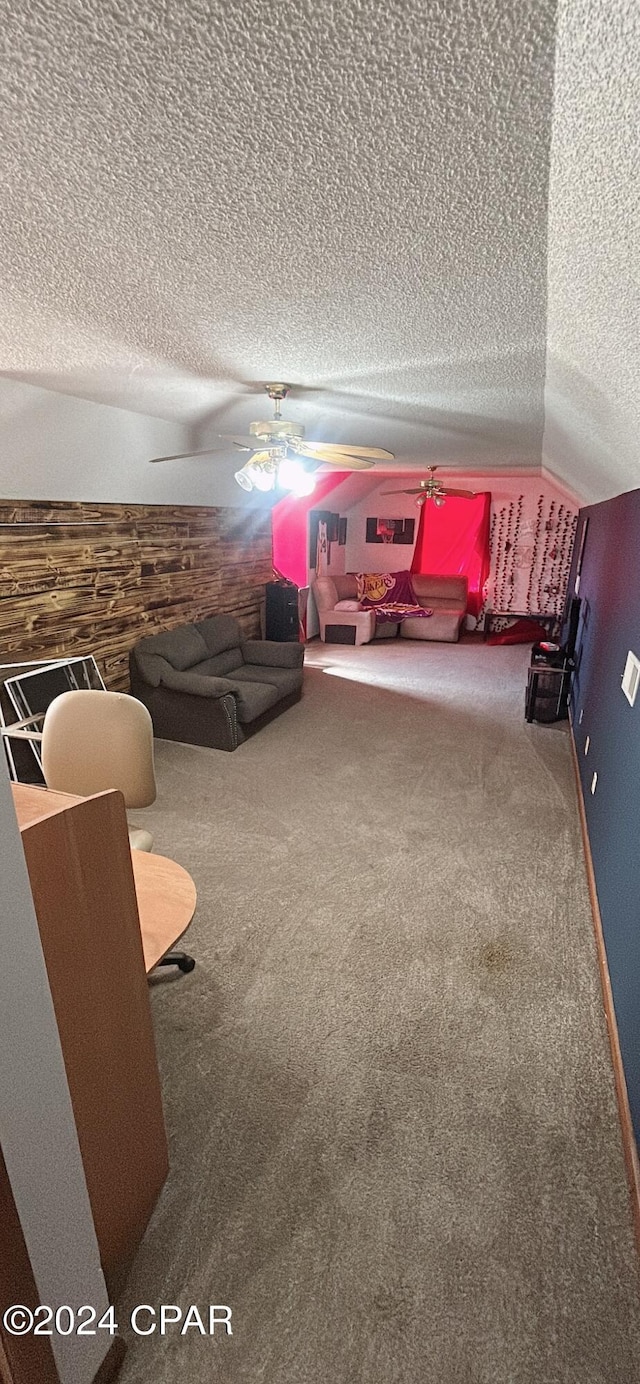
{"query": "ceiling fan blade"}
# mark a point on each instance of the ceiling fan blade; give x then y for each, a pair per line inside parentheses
(337, 457)
(246, 444)
(372, 453)
(420, 491)
(186, 456)
(462, 494)
(345, 462)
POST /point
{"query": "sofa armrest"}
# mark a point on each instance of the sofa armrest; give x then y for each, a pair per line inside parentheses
(195, 683)
(273, 654)
(363, 621)
(148, 668)
(365, 618)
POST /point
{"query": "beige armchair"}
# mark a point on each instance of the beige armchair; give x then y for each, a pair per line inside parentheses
(327, 591)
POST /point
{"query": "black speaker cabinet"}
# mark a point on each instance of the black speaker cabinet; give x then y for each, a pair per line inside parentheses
(281, 615)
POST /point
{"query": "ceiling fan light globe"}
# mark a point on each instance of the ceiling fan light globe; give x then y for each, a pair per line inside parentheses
(438, 500)
(244, 479)
(263, 478)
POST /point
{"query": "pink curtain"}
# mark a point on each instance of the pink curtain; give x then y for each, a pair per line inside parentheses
(453, 540)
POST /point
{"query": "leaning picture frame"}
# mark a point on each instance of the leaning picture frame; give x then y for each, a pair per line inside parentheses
(31, 691)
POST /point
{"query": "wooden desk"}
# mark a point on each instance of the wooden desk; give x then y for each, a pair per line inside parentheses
(104, 920)
(166, 903)
(166, 894)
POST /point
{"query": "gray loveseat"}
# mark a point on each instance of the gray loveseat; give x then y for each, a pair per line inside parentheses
(205, 684)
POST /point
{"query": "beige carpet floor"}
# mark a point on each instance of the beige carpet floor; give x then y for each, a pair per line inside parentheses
(394, 1141)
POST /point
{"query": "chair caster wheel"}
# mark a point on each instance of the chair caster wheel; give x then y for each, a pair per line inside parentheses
(180, 959)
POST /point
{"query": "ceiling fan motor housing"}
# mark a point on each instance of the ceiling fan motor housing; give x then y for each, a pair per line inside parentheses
(277, 428)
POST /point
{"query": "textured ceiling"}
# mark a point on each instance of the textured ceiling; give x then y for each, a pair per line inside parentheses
(593, 369)
(349, 196)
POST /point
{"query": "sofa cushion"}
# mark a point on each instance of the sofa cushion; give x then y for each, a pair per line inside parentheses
(445, 605)
(444, 625)
(219, 632)
(182, 647)
(272, 653)
(196, 686)
(430, 587)
(287, 680)
(219, 666)
(325, 594)
(252, 698)
(348, 605)
(346, 586)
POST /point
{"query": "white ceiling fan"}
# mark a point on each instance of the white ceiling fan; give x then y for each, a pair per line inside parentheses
(431, 489)
(279, 455)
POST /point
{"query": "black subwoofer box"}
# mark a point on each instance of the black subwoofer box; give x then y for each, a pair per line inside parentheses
(281, 615)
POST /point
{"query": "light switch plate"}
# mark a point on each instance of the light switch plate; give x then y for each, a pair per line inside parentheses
(631, 677)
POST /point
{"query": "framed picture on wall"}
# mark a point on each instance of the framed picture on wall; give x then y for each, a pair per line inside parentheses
(390, 530)
(342, 532)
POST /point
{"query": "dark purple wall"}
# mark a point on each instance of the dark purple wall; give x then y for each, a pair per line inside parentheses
(609, 628)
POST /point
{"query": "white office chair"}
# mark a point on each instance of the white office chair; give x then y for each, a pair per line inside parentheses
(93, 741)
(97, 740)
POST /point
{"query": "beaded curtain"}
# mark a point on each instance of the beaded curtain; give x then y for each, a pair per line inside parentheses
(530, 555)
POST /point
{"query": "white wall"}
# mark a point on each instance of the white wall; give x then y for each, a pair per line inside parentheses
(58, 447)
(37, 1131)
(381, 557)
(592, 394)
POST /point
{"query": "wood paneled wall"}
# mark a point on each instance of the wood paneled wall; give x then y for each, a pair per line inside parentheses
(91, 578)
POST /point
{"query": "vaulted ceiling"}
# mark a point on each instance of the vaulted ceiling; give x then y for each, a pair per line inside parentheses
(200, 197)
